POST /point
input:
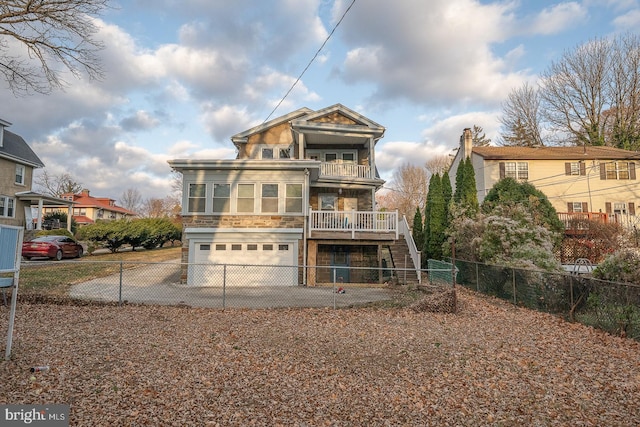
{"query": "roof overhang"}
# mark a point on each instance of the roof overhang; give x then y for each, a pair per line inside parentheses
(31, 196)
(246, 165)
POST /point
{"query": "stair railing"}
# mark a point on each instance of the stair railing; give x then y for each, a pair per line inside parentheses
(403, 228)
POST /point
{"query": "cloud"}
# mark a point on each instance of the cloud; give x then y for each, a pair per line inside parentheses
(141, 120)
(436, 54)
(558, 18)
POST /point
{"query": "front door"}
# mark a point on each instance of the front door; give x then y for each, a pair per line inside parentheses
(340, 264)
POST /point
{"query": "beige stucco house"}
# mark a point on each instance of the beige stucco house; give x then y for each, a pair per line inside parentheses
(596, 182)
(301, 192)
(17, 164)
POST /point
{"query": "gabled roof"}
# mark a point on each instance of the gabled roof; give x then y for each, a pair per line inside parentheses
(86, 201)
(16, 149)
(242, 137)
(555, 153)
(345, 111)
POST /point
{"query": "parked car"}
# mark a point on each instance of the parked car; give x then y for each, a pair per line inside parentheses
(54, 247)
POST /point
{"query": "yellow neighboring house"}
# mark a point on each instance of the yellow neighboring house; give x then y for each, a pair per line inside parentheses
(591, 182)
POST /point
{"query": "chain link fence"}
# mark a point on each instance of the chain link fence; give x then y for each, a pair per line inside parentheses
(211, 285)
(610, 306)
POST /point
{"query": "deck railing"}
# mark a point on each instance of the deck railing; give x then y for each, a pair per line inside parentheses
(416, 255)
(354, 221)
(351, 170)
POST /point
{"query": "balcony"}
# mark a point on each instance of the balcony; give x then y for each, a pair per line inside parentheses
(578, 222)
(375, 225)
(344, 170)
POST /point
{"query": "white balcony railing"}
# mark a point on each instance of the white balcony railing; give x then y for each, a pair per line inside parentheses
(350, 170)
(354, 221)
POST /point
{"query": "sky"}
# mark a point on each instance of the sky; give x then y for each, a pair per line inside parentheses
(183, 76)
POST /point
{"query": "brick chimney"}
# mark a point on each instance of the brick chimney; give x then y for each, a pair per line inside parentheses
(85, 192)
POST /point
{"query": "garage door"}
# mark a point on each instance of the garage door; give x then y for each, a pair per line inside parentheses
(244, 264)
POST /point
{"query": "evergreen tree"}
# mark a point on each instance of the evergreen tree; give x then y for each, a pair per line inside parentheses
(437, 218)
(457, 197)
(417, 232)
(469, 197)
(447, 193)
(427, 226)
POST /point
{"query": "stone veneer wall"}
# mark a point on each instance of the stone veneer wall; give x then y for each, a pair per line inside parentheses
(239, 221)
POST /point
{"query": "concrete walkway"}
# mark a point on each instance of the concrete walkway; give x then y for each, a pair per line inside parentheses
(159, 284)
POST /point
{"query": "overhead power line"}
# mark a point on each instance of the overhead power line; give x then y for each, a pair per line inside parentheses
(310, 62)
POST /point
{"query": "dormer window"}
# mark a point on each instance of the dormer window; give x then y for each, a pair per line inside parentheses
(267, 153)
(275, 152)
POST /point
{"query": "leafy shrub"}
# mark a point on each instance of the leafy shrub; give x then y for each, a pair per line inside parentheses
(621, 266)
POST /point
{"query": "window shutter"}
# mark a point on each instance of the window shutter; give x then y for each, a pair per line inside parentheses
(632, 208)
(585, 207)
(569, 207)
(567, 168)
(583, 168)
(607, 207)
(603, 171)
(632, 170)
(502, 169)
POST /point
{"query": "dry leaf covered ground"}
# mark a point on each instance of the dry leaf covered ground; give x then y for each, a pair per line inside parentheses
(489, 364)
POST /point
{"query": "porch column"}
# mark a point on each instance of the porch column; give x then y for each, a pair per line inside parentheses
(312, 259)
(69, 217)
(39, 223)
(380, 278)
(301, 146)
(372, 158)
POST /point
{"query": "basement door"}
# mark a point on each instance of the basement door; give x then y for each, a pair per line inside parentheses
(340, 263)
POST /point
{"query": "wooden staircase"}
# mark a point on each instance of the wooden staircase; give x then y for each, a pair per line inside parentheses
(401, 259)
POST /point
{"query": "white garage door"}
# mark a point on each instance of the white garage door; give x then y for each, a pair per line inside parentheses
(244, 264)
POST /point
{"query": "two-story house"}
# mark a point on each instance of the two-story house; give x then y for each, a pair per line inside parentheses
(301, 192)
(88, 209)
(17, 163)
(581, 182)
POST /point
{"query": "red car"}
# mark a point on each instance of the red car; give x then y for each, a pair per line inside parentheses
(54, 247)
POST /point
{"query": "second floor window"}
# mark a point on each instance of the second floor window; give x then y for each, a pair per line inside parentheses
(20, 174)
(245, 198)
(516, 170)
(221, 197)
(617, 170)
(575, 168)
(197, 199)
(269, 197)
(293, 201)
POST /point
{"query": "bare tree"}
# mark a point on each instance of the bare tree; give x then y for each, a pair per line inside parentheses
(521, 118)
(574, 92)
(622, 120)
(479, 137)
(438, 165)
(51, 33)
(407, 190)
(57, 185)
(131, 199)
(167, 207)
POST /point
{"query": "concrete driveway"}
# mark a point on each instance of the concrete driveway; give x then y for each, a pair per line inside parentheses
(159, 283)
